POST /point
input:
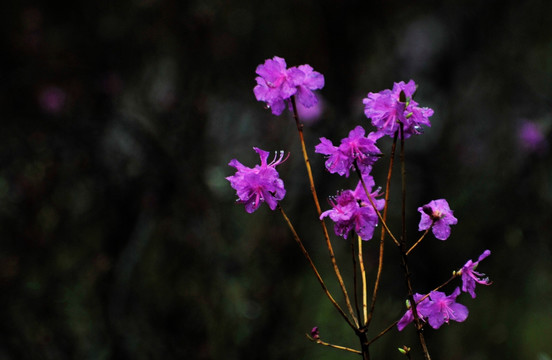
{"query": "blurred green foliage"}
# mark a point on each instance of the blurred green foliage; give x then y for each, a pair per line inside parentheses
(120, 236)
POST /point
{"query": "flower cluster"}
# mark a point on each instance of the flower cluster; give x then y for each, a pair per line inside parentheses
(390, 111)
(436, 309)
(276, 84)
(355, 148)
(352, 210)
(259, 184)
(389, 108)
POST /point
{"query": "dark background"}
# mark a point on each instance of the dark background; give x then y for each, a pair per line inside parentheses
(120, 236)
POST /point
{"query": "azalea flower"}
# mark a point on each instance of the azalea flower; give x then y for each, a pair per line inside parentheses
(388, 108)
(421, 308)
(351, 210)
(470, 276)
(445, 308)
(276, 84)
(355, 147)
(436, 309)
(438, 213)
(259, 184)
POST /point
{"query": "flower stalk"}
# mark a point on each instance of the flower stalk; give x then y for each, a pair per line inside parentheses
(319, 211)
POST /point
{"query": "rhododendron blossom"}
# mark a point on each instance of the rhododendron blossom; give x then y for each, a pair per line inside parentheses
(436, 309)
(351, 210)
(355, 147)
(470, 276)
(276, 84)
(389, 108)
(259, 184)
(438, 213)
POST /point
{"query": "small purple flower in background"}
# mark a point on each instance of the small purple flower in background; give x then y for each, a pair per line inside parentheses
(276, 84)
(310, 115)
(531, 137)
(387, 109)
(258, 184)
(470, 276)
(444, 308)
(52, 99)
(436, 309)
(439, 213)
(356, 147)
(351, 210)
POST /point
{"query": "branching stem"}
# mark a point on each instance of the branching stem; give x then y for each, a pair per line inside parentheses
(318, 341)
(420, 239)
(403, 250)
(313, 267)
(382, 237)
(319, 211)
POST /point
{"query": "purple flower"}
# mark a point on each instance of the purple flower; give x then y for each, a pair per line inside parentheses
(356, 147)
(531, 138)
(444, 308)
(351, 210)
(436, 309)
(360, 194)
(439, 213)
(276, 84)
(52, 99)
(388, 108)
(310, 115)
(470, 276)
(258, 184)
(306, 80)
(421, 308)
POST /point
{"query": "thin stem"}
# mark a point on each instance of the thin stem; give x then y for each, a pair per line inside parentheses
(403, 186)
(420, 239)
(403, 251)
(363, 274)
(361, 332)
(319, 211)
(318, 341)
(374, 205)
(355, 279)
(311, 263)
(382, 237)
(454, 275)
(383, 332)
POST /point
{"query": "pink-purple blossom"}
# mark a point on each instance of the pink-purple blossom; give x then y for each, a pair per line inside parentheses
(532, 138)
(276, 84)
(438, 214)
(421, 309)
(259, 184)
(470, 276)
(444, 308)
(436, 309)
(389, 108)
(355, 147)
(351, 210)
